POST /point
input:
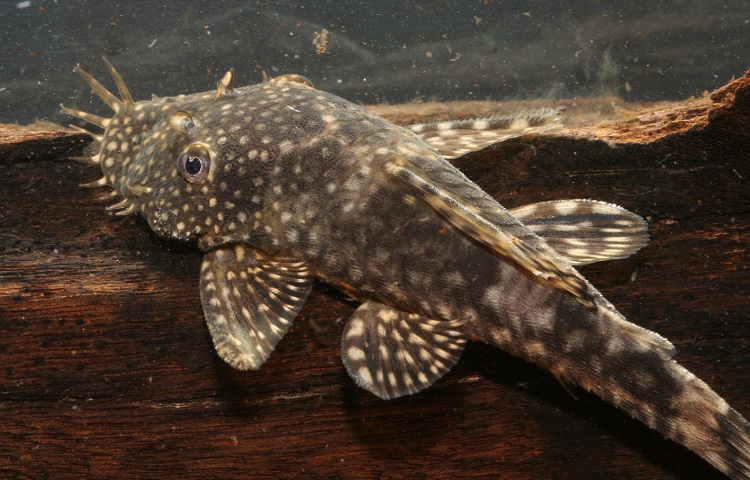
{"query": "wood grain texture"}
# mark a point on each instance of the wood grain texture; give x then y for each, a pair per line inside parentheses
(108, 369)
(38, 141)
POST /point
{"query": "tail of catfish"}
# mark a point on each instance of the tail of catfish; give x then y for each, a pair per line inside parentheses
(591, 349)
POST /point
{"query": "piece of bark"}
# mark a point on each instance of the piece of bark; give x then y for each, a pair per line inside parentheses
(108, 369)
(39, 141)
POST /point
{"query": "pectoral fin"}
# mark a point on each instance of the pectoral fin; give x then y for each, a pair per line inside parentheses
(585, 231)
(249, 301)
(393, 353)
(491, 225)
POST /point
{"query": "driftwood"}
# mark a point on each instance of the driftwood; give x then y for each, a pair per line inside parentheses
(108, 369)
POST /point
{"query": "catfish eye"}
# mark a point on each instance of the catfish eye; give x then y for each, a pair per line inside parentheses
(194, 164)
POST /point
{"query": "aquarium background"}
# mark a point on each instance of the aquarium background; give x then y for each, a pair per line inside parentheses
(378, 52)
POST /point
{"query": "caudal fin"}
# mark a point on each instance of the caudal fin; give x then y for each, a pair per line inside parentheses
(591, 349)
(734, 458)
(685, 409)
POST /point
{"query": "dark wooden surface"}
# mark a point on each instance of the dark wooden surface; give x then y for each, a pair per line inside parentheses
(108, 369)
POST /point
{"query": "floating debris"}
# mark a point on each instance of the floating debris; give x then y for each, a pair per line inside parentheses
(321, 41)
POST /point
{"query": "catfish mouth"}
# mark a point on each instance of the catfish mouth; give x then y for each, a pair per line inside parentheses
(123, 107)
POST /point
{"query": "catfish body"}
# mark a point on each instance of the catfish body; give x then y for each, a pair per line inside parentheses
(280, 184)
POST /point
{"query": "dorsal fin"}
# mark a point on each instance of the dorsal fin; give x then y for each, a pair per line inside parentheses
(454, 138)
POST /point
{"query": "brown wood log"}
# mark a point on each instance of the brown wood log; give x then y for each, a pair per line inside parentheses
(39, 141)
(109, 371)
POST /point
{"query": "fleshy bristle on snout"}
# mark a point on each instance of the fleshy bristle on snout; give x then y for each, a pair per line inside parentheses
(125, 95)
(125, 207)
(124, 103)
(89, 117)
(116, 104)
(94, 159)
(102, 182)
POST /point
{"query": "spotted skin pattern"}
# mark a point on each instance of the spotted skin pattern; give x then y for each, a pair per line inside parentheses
(280, 183)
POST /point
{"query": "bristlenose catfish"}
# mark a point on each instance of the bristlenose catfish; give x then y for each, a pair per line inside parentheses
(280, 184)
